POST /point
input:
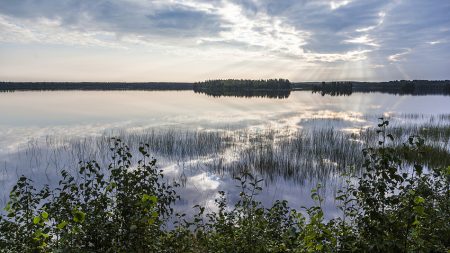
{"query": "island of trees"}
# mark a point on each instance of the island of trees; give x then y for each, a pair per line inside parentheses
(243, 84)
(334, 88)
(271, 88)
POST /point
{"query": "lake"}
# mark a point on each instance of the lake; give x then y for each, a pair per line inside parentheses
(202, 141)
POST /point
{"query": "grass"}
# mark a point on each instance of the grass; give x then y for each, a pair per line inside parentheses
(297, 155)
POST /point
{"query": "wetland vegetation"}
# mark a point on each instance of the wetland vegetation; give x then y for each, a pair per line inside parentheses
(390, 206)
(312, 152)
(119, 198)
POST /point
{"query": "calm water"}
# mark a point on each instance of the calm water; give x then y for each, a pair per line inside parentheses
(201, 139)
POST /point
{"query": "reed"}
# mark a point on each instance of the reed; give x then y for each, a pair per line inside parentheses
(318, 151)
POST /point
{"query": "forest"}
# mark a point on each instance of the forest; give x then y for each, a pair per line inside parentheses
(397, 87)
(51, 86)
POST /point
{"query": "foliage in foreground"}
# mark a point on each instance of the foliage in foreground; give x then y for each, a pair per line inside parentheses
(392, 207)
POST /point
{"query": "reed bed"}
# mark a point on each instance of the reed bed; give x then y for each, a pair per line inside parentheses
(294, 154)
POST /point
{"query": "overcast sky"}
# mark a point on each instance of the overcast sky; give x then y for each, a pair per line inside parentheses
(191, 40)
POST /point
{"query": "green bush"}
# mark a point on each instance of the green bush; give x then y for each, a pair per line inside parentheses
(121, 209)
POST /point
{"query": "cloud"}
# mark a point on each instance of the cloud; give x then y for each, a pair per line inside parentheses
(364, 40)
(44, 30)
(435, 42)
(189, 23)
(338, 4)
(399, 56)
(258, 31)
(356, 55)
(369, 28)
(372, 32)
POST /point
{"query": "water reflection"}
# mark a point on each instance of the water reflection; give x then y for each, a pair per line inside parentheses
(281, 94)
(204, 141)
(334, 93)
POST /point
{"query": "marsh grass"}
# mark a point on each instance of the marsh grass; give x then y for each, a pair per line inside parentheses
(317, 151)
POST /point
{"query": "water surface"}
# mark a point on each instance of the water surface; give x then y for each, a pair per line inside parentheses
(199, 140)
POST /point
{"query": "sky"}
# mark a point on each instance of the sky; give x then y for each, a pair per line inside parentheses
(194, 40)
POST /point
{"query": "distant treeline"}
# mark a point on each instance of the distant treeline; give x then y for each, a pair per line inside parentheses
(276, 88)
(43, 86)
(405, 87)
(398, 87)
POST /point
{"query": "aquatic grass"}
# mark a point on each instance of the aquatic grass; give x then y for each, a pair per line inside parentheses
(313, 153)
(310, 152)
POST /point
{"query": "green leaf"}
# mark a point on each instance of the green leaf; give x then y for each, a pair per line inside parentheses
(36, 219)
(147, 197)
(61, 225)
(151, 221)
(419, 210)
(416, 222)
(8, 206)
(44, 215)
(153, 199)
(419, 200)
(78, 216)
